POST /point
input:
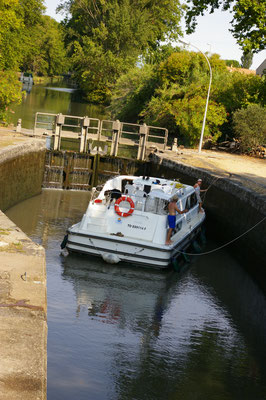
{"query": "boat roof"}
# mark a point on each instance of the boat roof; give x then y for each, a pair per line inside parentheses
(155, 187)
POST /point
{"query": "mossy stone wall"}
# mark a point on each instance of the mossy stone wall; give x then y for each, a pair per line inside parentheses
(21, 172)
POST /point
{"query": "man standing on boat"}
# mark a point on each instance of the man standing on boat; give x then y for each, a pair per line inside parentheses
(172, 208)
(197, 191)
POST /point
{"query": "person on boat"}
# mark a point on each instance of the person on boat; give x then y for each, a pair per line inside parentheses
(198, 190)
(172, 209)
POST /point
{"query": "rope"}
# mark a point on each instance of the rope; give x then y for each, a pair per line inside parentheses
(213, 182)
(224, 245)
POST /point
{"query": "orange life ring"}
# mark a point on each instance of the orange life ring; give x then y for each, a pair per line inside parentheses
(130, 211)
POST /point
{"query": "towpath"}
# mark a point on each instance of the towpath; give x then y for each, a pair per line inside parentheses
(251, 172)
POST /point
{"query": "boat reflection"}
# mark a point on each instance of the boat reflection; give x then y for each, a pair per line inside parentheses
(120, 295)
(27, 87)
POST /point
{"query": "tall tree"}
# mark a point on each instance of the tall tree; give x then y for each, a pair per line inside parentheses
(107, 37)
(16, 18)
(45, 55)
(246, 60)
(172, 94)
(248, 23)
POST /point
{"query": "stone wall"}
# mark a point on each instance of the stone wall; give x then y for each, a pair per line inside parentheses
(21, 172)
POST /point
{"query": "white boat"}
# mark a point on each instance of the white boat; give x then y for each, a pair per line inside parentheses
(127, 221)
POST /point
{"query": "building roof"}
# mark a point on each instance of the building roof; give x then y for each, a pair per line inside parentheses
(261, 68)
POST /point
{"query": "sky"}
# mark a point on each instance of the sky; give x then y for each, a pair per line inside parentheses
(212, 35)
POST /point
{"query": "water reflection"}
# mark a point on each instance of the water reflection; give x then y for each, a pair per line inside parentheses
(27, 87)
(57, 98)
(119, 295)
(129, 333)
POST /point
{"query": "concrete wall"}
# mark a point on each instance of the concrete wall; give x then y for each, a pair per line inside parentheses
(231, 208)
(21, 172)
(23, 325)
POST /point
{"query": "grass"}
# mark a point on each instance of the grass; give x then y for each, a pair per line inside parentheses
(4, 231)
(12, 247)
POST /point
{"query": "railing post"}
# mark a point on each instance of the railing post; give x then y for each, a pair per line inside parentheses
(143, 133)
(115, 138)
(35, 123)
(165, 138)
(85, 123)
(60, 119)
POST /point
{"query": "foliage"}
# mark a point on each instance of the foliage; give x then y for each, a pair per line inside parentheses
(248, 24)
(184, 116)
(158, 53)
(46, 54)
(232, 63)
(172, 94)
(250, 126)
(133, 91)
(10, 89)
(246, 60)
(18, 33)
(236, 90)
(10, 26)
(106, 38)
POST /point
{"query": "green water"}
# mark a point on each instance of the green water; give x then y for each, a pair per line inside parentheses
(53, 98)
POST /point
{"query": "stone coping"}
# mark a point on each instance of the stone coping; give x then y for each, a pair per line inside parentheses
(23, 308)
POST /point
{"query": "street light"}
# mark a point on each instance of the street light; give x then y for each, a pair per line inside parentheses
(208, 95)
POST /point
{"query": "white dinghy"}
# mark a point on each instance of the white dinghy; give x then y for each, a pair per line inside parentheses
(127, 221)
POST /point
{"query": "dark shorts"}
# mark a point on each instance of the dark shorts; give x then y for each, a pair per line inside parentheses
(171, 221)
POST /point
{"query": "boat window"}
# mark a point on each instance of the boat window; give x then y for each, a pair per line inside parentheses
(147, 188)
(126, 182)
(161, 208)
(191, 201)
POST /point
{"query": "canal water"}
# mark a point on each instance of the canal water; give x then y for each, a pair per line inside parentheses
(125, 333)
(54, 97)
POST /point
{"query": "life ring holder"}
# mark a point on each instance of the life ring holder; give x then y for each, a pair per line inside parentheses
(131, 203)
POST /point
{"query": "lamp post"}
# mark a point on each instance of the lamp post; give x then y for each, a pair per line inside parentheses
(208, 95)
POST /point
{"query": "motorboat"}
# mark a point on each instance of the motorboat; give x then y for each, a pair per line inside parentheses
(126, 220)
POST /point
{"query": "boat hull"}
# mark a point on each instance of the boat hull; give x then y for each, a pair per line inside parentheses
(131, 252)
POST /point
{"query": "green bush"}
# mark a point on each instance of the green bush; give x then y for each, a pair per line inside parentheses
(250, 126)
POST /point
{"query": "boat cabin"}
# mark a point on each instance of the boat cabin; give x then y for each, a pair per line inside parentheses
(148, 194)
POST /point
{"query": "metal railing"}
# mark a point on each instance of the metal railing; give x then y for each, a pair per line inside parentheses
(119, 134)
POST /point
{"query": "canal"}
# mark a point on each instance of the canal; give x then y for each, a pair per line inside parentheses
(54, 97)
(124, 333)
